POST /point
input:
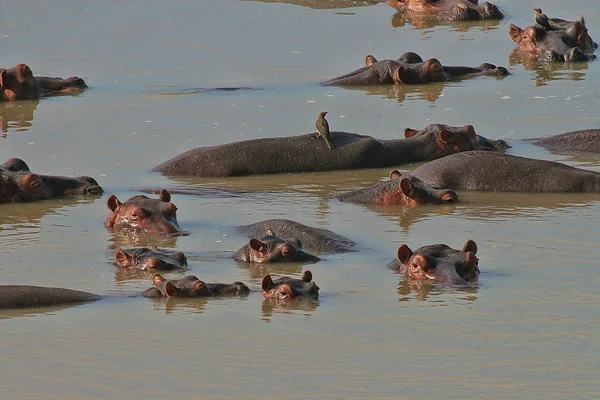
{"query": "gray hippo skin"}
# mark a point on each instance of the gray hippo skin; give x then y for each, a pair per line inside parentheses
(449, 10)
(286, 288)
(25, 296)
(150, 258)
(410, 69)
(313, 239)
(488, 171)
(584, 141)
(438, 263)
(400, 189)
(270, 248)
(191, 286)
(306, 153)
(569, 41)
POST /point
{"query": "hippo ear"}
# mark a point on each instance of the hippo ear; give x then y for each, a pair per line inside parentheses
(152, 247)
(257, 245)
(199, 286)
(582, 20)
(113, 203)
(122, 259)
(471, 132)
(157, 279)
(270, 232)
(397, 76)
(307, 276)
(470, 246)
(406, 187)
(2, 77)
(446, 136)
(370, 60)
(409, 132)
(404, 254)
(267, 283)
(395, 174)
(165, 195)
(169, 289)
(515, 33)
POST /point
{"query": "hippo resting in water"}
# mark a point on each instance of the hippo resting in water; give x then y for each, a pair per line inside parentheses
(286, 288)
(410, 69)
(18, 183)
(150, 258)
(485, 171)
(306, 153)
(18, 83)
(585, 141)
(270, 248)
(449, 10)
(191, 286)
(566, 41)
(438, 263)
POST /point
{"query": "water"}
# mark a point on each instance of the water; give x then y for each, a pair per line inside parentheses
(528, 331)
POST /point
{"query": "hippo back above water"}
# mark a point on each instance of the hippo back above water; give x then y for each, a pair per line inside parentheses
(449, 10)
(584, 141)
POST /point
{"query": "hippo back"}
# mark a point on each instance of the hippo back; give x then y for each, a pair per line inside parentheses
(22, 296)
(584, 141)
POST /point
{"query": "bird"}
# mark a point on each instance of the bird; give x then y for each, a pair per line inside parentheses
(323, 128)
(542, 19)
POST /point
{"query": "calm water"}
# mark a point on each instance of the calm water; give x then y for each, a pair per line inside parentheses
(530, 330)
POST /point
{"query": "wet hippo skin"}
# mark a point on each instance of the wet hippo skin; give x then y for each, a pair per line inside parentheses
(270, 248)
(191, 286)
(584, 141)
(18, 83)
(150, 258)
(25, 296)
(449, 10)
(286, 288)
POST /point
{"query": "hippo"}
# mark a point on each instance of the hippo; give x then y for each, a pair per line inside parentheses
(400, 189)
(150, 258)
(18, 183)
(155, 216)
(18, 83)
(568, 41)
(306, 153)
(584, 141)
(26, 296)
(286, 288)
(488, 171)
(325, 5)
(438, 263)
(449, 10)
(313, 239)
(270, 248)
(410, 69)
(191, 286)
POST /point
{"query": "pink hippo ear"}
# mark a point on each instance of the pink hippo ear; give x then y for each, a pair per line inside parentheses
(113, 203)
(470, 246)
(406, 187)
(515, 33)
(409, 132)
(2, 77)
(446, 136)
(157, 280)
(397, 76)
(165, 196)
(307, 276)
(169, 289)
(404, 254)
(122, 259)
(257, 245)
(395, 174)
(370, 60)
(267, 283)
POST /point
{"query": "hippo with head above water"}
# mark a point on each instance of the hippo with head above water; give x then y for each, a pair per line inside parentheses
(191, 286)
(584, 141)
(286, 288)
(449, 10)
(155, 216)
(150, 258)
(18, 183)
(270, 248)
(18, 83)
(438, 263)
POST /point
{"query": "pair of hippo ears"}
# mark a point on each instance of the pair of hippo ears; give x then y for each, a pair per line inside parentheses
(167, 288)
(444, 135)
(267, 282)
(113, 202)
(405, 253)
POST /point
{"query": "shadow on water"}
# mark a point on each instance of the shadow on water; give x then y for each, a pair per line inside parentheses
(547, 72)
(324, 4)
(17, 116)
(421, 21)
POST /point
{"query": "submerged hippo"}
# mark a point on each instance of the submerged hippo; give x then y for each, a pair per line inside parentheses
(313, 239)
(18, 183)
(566, 41)
(410, 69)
(584, 141)
(150, 258)
(191, 286)
(155, 216)
(270, 248)
(306, 153)
(449, 10)
(487, 171)
(438, 263)
(26, 296)
(286, 288)
(18, 83)
(400, 189)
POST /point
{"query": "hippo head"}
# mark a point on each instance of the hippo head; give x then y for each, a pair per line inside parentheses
(18, 83)
(286, 288)
(270, 248)
(430, 70)
(440, 263)
(442, 140)
(191, 286)
(466, 10)
(150, 258)
(413, 192)
(155, 216)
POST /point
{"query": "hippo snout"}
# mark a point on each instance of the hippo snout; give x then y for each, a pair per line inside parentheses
(94, 190)
(449, 197)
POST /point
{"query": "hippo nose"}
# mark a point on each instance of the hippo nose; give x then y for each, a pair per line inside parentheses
(93, 189)
(449, 197)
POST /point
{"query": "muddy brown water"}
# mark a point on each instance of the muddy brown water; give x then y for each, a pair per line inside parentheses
(529, 330)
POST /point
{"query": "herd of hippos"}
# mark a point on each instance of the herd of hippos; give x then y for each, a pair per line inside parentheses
(451, 154)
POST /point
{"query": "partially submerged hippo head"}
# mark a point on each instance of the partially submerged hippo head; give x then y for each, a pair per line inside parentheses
(18, 183)
(191, 286)
(449, 10)
(286, 288)
(439, 263)
(18, 83)
(270, 248)
(150, 258)
(155, 216)
(441, 140)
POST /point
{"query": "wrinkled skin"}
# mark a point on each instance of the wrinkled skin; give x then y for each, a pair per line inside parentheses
(400, 189)
(410, 69)
(286, 288)
(270, 248)
(438, 263)
(18, 183)
(585, 141)
(191, 286)
(18, 83)
(449, 10)
(489, 171)
(155, 216)
(569, 42)
(25, 296)
(313, 239)
(150, 258)
(306, 153)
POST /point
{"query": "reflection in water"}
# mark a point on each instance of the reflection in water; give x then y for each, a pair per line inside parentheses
(407, 216)
(430, 91)
(31, 312)
(136, 238)
(196, 305)
(546, 72)
(259, 270)
(271, 306)
(424, 21)
(324, 4)
(411, 289)
(17, 115)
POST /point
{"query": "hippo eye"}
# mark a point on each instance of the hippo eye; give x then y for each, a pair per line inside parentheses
(36, 184)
